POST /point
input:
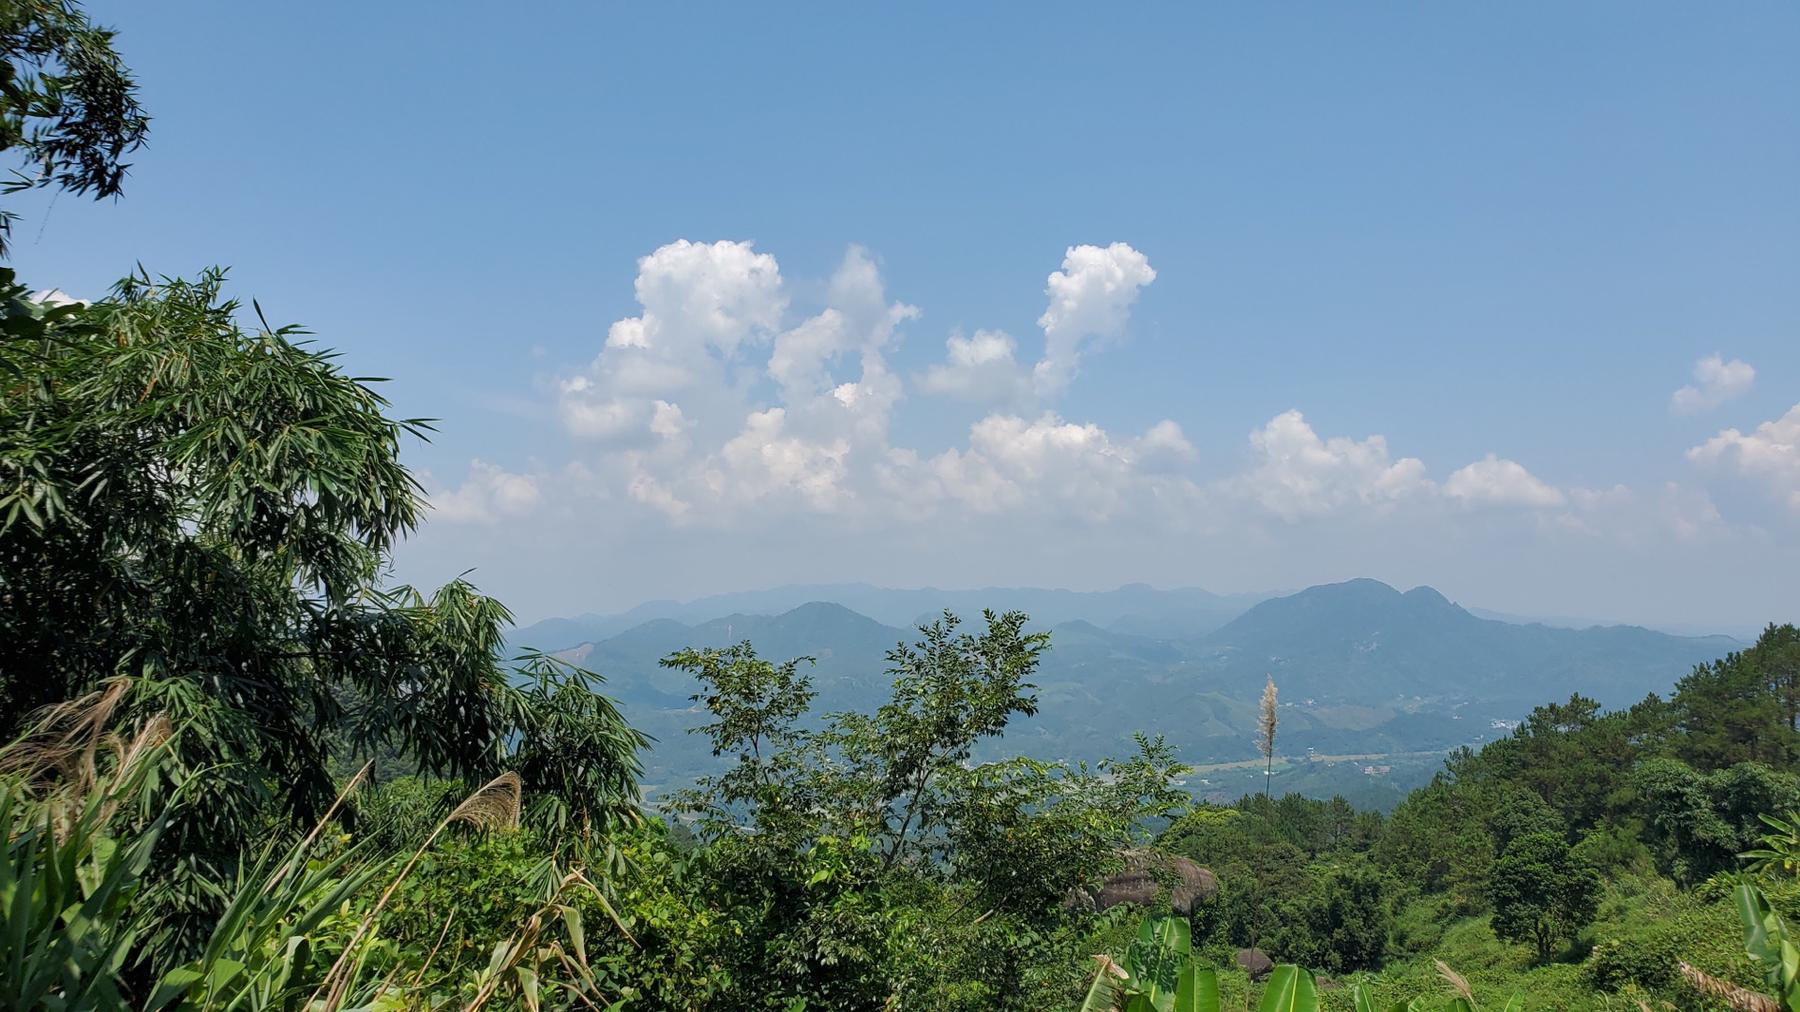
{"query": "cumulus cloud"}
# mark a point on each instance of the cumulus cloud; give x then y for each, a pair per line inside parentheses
(1647, 517)
(1770, 454)
(857, 321)
(712, 408)
(56, 297)
(488, 496)
(764, 460)
(1495, 481)
(1297, 474)
(1715, 382)
(701, 303)
(719, 294)
(1090, 299)
(981, 368)
(1045, 466)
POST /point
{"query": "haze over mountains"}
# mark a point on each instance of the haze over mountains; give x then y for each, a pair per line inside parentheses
(1364, 669)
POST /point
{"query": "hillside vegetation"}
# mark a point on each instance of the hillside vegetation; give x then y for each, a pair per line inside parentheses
(1366, 669)
(243, 770)
(263, 780)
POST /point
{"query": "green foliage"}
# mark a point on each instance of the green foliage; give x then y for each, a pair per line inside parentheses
(68, 105)
(1697, 823)
(1744, 707)
(1543, 893)
(65, 883)
(1158, 974)
(1341, 924)
(1768, 941)
(209, 511)
(839, 847)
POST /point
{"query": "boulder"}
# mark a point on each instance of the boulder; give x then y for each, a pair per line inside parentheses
(1255, 962)
(1144, 877)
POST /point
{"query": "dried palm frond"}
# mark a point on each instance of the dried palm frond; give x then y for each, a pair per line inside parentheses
(1457, 981)
(1740, 998)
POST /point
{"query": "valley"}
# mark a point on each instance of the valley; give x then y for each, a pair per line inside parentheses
(1365, 672)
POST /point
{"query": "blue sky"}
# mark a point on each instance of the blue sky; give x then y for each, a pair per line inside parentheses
(1438, 232)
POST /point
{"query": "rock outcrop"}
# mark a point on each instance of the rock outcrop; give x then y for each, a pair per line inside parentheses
(1255, 962)
(1146, 876)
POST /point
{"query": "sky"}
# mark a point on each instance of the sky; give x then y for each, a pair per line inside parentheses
(1500, 299)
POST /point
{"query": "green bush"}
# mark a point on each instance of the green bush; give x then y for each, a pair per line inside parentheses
(1647, 961)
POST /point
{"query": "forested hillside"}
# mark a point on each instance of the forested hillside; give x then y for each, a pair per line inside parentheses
(1368, 672)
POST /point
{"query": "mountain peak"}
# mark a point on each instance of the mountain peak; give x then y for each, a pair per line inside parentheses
(1361, 588)
(1428, 596)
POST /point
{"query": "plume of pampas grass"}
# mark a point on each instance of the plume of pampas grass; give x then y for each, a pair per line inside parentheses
(1741, 998)
(495, 806)
(1457, 981)
(64, 740)
(71, 756)
(1265, 732)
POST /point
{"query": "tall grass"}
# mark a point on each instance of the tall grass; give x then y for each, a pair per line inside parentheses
(297, 930)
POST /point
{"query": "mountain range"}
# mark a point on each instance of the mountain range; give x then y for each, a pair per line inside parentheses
(1363, 669)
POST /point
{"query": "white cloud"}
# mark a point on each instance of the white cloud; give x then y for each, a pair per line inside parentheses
(1044, 467)
(1771, 454)
(702, 303)
(1650, 517)
(858, 320)
(1090, 297)
(1164, 447)
(980, 368)
(56, 297)
(488, 496)
(764, 461)
(588, 412)
(1297, 474)
(1496, 481)
(720, 294)
(667, 421)
(1715, 382)
(689, 422)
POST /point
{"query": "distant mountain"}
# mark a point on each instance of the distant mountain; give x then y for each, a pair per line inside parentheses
(847, 650)
(1135, 608)
(1364, 640)
(1363, 670)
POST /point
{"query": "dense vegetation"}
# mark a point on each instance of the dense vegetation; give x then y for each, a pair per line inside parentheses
(1364, 669)
(244, 770)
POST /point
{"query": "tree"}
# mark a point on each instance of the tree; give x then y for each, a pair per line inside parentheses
(843, 844)
(1744, 707)
(1697, 823)
(1340, 924)
(1543, 894)
(68, 105)
(208, 513)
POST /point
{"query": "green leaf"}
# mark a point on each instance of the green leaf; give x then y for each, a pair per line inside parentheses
(1102, 991)
(1290, 989)
(1197, 990)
